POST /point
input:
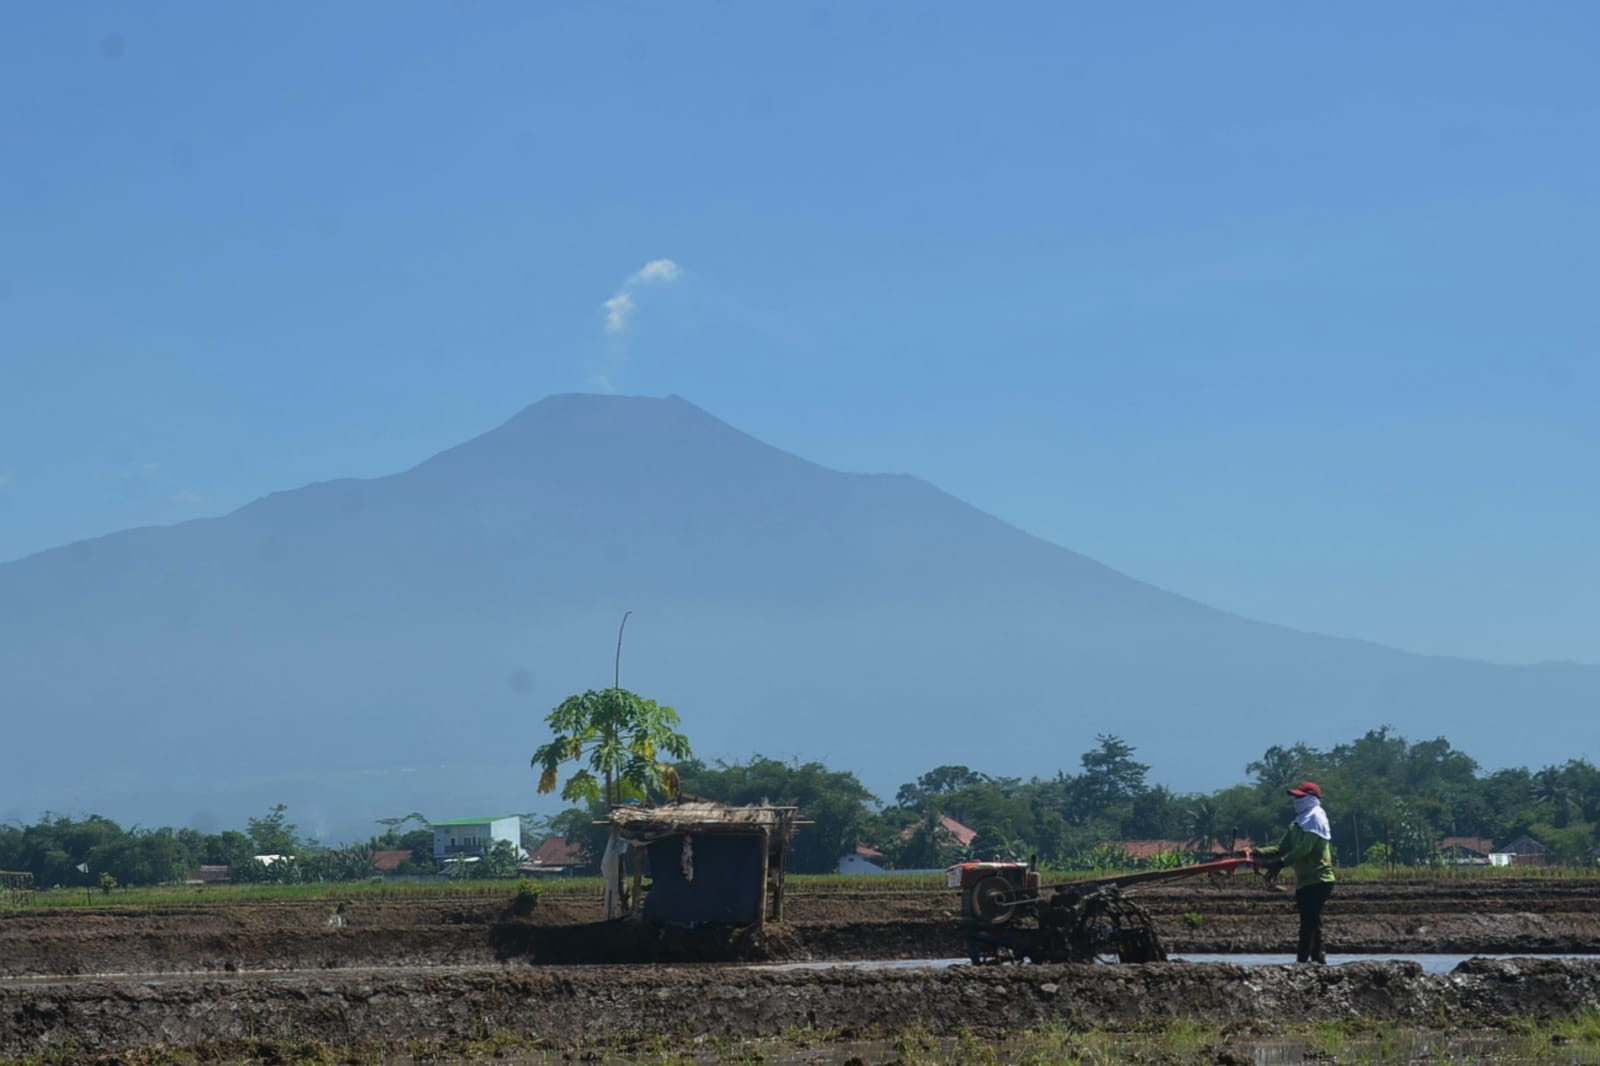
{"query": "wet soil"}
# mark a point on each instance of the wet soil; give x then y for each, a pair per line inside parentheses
(452, 969)
(1235, 916)
(563, 1007)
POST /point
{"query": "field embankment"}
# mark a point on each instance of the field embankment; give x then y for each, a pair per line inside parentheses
(572, 1007)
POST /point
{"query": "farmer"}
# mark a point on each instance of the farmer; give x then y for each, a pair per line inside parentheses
(1307, 849)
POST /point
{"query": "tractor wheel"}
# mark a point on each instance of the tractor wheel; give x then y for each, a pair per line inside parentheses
(1109, 923)
(988, 899)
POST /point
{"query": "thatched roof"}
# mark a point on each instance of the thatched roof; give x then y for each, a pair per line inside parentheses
(700, 817)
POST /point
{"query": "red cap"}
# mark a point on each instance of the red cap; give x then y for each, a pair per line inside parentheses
(1306, 788)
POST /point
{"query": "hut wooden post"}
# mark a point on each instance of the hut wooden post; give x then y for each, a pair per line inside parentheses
(636, 901)
(766, 852)
(783, 861)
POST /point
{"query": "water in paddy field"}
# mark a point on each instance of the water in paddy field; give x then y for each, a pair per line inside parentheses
(1429, 963)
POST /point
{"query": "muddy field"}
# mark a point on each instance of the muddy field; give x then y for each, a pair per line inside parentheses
(569, 1007)
(1468, 917)
(454, 969)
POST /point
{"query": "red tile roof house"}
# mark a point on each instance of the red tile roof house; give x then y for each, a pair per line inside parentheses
(560, 857)
(388, 861)
(958, 832)
(1142, 851)
(1145, 850)
(868, 860)
(864, 860)
(1465, 851)
(210, 875)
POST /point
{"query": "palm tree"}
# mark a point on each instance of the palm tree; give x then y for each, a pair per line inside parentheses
(1203, 820)
(1549, 789)
(621, 734)
(1280, 767)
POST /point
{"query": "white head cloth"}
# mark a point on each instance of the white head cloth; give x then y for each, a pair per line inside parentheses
(1309, 815)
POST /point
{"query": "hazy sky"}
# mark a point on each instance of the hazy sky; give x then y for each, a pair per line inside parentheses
(1287, 308)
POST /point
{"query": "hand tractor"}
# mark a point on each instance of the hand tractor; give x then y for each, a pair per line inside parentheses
(1007, 916)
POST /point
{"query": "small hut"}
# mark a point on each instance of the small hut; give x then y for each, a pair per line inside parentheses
(708, 863)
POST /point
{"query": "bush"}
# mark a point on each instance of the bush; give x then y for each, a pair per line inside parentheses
(526, 899)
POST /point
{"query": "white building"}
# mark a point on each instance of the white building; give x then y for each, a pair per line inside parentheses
(470, 838)
(857, 863)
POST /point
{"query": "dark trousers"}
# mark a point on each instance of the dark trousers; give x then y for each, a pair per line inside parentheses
(1309, 901)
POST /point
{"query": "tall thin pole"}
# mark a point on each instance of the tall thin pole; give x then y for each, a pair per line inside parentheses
(616, 680)
(638, 860)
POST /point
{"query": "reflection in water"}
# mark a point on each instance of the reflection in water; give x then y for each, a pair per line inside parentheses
(1429, 963)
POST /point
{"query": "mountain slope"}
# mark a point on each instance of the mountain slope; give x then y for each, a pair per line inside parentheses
(364, 648)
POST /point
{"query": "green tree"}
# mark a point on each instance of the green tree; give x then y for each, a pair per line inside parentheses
(499, 862)
(53, 849)
(581, 825)
(420, 843)
(1570, 845)
(356, 863)
(10, 847)
(1280, 767)
(1552, 794)
(1154, 814)
(1583, 785)
(141, 857)
(927, 846)
(941, 781)
(1203, 821)
(621, 736)
(228, 848)
(833, 800)
(273, 834)
(393, 829)
(1110, 778)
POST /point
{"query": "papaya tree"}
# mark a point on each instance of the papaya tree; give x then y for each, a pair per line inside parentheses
(620, 738)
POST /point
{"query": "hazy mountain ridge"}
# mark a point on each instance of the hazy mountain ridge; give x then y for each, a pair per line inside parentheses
(429, 618)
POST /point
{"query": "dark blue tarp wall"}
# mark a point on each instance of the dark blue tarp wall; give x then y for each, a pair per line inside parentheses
(726, 888)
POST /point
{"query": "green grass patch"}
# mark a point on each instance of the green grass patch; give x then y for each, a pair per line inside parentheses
(810, 885)
(1177, 1042)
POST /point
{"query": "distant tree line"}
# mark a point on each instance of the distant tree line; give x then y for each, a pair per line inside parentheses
(96, 851)
(1390, 800)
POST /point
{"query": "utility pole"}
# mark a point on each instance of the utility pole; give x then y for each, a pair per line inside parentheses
(616, 680)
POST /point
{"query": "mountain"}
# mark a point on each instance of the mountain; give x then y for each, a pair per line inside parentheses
(365, 648)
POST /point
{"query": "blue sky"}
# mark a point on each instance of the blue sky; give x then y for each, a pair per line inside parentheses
(1290, 310)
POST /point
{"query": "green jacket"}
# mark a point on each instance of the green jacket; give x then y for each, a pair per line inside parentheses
(1308, 855)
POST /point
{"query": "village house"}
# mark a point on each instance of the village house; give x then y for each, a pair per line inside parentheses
(863, 860)
(1465, 851)
(388, 862)
(560, 857)
(209, 875)
(869, 860)
(466, 840)
(1523, 851)
(962, 836)
(1142, 852)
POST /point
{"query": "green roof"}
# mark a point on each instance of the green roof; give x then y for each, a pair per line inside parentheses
(473, 821)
